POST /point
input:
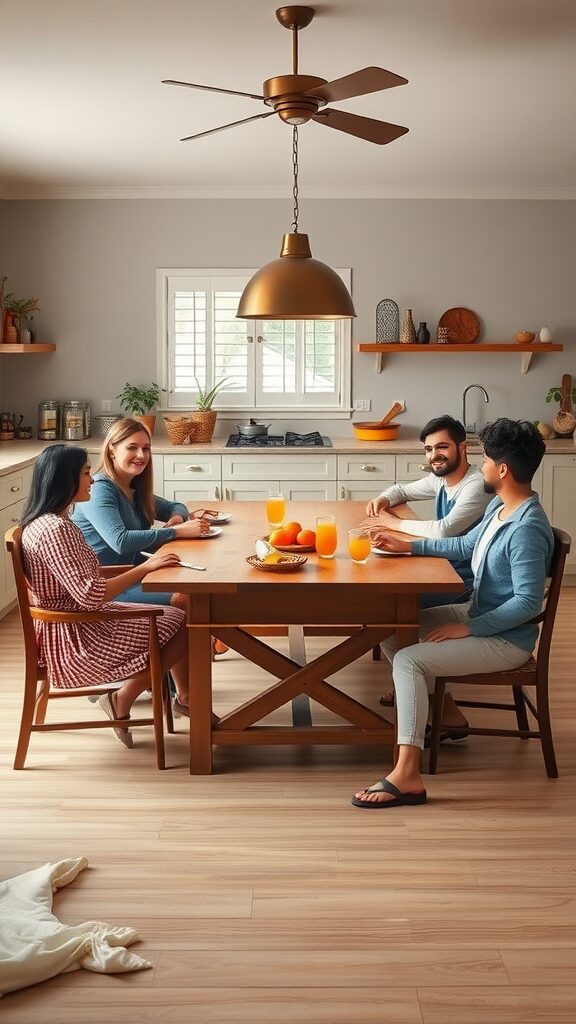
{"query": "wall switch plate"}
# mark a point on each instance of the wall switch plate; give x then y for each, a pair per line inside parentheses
(362, 405)
(106, 404)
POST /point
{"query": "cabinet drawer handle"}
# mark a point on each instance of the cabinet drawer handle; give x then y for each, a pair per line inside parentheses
(217, 493)
(13, 520)
(343, 492)
(194, 469)
(368, 469)
(15, 488)
(426, 468)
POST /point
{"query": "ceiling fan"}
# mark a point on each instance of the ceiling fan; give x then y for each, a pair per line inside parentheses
(300, 98)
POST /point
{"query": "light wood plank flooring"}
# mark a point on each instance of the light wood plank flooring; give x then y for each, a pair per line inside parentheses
(262, 896)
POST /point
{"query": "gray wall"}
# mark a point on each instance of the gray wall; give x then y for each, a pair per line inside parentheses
(92, 264)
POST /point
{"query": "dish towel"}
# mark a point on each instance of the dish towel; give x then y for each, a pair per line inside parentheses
(35, 945)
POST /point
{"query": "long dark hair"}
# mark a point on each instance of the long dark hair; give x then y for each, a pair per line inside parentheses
(55, 481)
(121, 430)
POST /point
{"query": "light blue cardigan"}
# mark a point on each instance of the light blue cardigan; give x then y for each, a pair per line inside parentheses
(117, 529)
(509, 585)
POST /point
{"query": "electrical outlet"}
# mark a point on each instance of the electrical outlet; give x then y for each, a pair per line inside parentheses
(362, 405)
(106, 404)
(402, 402)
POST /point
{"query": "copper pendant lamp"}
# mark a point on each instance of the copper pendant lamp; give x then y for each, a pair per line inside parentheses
(295, 286)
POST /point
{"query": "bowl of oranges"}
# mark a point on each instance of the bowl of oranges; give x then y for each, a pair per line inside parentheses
(292, 537)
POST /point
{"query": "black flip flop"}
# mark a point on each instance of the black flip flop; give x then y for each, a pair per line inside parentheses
(400, 799)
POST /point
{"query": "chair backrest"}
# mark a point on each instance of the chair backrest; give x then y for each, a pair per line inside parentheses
(547, 617)
(13, 540)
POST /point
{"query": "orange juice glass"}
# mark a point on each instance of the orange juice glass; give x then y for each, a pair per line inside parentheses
(326, 536)
(359, 546)
(275, 509)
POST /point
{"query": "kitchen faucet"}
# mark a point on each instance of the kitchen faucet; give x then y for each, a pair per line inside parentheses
(470, 428)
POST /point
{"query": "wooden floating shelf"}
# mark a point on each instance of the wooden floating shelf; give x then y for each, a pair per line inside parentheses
(527, 350)
(30, 349)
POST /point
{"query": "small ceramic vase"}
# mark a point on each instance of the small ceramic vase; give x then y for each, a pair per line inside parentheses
(423, 334)
(408, 336)
(545, 335)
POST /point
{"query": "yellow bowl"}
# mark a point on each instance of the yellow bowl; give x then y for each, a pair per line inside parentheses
(525, 337)
(370, 432)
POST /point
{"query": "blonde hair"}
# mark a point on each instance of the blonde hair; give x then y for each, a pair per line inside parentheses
(120, 431)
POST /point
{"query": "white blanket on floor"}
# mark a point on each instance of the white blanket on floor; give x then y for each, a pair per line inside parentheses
(35, 945)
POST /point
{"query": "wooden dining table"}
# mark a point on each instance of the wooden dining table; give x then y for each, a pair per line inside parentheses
(237, 603)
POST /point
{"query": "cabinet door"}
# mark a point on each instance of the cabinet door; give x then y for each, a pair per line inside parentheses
(9, 517)
(249, 490)
(258, 465)
(189, 493)
(559, 497)
(356, 491)
(304, 490)
(193, 466)
(380, 468)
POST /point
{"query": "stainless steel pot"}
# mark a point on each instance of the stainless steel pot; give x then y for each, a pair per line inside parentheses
(253, 428)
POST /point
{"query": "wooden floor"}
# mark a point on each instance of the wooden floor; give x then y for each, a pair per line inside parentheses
(262, 896)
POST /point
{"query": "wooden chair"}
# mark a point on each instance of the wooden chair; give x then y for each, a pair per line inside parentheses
(37, 688)
(533, 673)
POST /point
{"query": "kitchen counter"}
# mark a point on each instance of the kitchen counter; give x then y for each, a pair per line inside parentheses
(18, 454)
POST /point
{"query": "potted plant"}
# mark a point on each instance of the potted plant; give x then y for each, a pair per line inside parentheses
(564, 421)
(204, 417)
(16, 312)
(138, 401)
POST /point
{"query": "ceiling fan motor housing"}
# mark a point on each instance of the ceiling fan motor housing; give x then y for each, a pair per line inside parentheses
(287, 94)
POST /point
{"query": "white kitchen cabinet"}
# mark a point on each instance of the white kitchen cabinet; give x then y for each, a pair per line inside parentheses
(559, 498)
(362, 477)
(293, 490)
(302, 476)
(193, 467)
(14, 489)
(185, 492)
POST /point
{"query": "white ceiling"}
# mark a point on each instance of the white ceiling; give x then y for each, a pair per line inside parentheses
(490, 105)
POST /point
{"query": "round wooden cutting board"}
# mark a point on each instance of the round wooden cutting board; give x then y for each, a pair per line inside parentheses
(463, 325)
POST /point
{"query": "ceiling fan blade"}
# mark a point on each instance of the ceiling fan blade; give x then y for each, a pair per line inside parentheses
(223, 127)
(367, 128)
(358, 84)
(211, 88)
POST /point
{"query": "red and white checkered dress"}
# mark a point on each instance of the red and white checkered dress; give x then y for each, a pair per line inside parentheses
(64, 575)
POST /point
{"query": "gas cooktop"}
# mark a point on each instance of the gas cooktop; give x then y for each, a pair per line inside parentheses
(288, 440)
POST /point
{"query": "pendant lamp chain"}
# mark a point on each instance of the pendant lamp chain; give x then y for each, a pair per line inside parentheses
(295, 174)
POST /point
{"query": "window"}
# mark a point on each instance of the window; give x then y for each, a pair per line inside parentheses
(296, 366)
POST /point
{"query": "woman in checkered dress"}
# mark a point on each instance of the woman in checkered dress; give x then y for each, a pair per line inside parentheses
(64, 575)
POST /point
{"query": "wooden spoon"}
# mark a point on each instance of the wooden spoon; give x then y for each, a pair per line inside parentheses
(377, 424)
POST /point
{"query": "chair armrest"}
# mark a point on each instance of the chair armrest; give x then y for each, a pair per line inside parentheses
(109, 571)
(43, 615)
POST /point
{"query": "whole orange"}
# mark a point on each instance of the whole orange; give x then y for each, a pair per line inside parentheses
(307, 537)
(280, 536)
(293, 528)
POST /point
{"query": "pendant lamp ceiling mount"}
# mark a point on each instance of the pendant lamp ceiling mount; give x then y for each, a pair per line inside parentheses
(297, 99)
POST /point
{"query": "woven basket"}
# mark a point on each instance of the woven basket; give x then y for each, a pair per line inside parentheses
(102, 424)
(204, 421)
(179, 429)
(289, 563)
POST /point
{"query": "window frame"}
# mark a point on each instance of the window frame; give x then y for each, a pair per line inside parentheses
(227, 404)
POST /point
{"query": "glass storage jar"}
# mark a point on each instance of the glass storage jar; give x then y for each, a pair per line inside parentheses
(73, 421)
(49, 420)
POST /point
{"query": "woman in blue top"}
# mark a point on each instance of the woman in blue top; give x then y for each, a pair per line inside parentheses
(510, 552)
(117, 521)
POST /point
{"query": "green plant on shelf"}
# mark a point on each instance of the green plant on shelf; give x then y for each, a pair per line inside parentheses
(206, 398)
(139, 400)
(555, 394)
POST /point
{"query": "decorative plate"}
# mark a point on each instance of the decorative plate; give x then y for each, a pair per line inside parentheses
(287, 563)
(463, 325)
(295, 549)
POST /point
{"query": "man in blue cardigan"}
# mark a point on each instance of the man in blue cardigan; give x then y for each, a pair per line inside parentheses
(510, 551)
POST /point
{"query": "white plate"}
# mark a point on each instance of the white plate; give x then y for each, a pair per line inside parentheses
(214, 531)
(388, 554)
(222, 517)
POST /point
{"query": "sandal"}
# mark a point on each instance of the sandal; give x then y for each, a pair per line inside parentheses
(400, 799)
(454, 733)
(218, 647)
(107, 705)
(387, 699)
